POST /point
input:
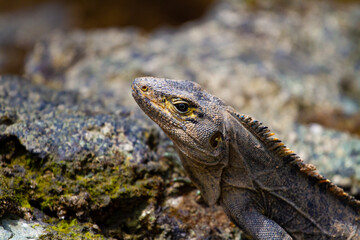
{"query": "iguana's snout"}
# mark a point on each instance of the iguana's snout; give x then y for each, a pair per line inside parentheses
(148, 88)
(139, 87)
(151, 98)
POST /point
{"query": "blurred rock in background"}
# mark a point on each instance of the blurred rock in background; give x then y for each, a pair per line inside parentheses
(23, 22)
(21, 27)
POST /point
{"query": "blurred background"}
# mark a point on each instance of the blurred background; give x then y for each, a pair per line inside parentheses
(23, 22)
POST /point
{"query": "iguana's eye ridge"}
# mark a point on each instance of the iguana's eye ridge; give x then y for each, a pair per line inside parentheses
(182, 107)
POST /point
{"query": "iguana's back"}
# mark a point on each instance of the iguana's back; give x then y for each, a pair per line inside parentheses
(284, 189)
(263, 186)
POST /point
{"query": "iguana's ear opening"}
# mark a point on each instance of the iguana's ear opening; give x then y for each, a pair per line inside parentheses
(216, 139)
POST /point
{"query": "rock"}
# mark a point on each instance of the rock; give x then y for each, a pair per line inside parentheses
(64, 126)
(19, 229)
(72, 157)
(19, 30)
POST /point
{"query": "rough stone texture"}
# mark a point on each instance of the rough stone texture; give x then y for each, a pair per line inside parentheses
(16, 229)
(64, 125)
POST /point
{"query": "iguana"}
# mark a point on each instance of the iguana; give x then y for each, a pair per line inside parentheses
(235, 161)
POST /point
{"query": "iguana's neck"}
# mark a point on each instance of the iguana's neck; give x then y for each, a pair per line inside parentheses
(250, 163)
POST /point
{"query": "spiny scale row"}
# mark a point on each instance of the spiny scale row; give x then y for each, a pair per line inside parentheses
(277, 146)
(264, 133)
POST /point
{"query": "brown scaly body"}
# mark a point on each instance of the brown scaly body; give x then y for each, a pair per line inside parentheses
(265, 189)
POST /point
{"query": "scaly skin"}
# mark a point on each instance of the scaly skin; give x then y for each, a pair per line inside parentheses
(264, 188)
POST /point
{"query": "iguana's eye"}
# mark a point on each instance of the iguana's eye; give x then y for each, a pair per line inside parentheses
(144, 88)
(182, 107)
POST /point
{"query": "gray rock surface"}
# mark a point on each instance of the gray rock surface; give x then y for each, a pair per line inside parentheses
(64, 125)
(19, 229)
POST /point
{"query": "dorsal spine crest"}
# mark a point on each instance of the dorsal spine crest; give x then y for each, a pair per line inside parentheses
(278, 148)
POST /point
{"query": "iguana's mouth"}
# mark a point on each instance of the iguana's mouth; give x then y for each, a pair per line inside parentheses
(153, 109)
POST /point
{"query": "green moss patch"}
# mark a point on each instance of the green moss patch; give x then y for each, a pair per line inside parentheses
(110, 193)
(71, 230)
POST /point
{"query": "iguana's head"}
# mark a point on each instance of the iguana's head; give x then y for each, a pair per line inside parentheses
(190, 116)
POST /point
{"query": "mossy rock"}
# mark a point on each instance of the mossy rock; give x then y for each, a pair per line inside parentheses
(71, 230)
(73, 159)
